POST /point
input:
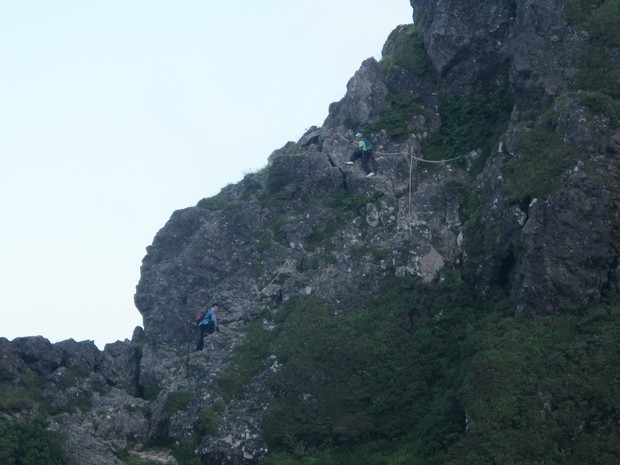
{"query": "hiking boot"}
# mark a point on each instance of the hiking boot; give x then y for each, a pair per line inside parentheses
(370, 174)
(349, 163)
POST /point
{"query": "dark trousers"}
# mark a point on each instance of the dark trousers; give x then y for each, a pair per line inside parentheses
(204, 330)
(365, 155)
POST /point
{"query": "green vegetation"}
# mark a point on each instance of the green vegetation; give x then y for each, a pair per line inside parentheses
(603, 24)
(439, 375)
(365, 385)
(323, 237)
(601, 19)
(21, 393)
(210, 419)
(455, 188)
(150, 391)
(599, 74)
(279, 180)
(28, 442)
(408, 54)
(177, 401)
(74, 375)
(543, 156)
(129, 459)
(346, 204)
(602, 104)
(543, 391)
(343, 206)
(184, 454)
(395, 120)
(226, 201)
(248, 358)
(468, 124)
(82, 401)
(219, 202)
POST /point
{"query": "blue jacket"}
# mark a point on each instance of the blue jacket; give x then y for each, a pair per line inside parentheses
(209, 316)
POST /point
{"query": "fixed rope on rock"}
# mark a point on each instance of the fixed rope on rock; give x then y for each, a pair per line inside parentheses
(410, 154)
(286, 264)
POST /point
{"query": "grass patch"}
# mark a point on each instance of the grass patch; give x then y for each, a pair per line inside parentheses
(28, 442)
(248, 361)
(603, 23)
(404, 105)
(439, 374)
(21, 393)
(538, 391)
(602, 104)
(371, 385)
(542, 157)
(601, 19)
(600, 74)
(433, 374)
(150, 391)
(322, 237)
(345, 204)
(82, 401)
(75, 375)
(407, 53)
(210, 420)
(219, 202)
(177, 401)
(468, 124)
(279, 183)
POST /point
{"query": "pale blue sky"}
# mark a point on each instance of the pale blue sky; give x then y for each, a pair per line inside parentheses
(114, 114)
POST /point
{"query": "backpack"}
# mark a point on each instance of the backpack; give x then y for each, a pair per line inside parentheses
(368, 144)
(200, 315)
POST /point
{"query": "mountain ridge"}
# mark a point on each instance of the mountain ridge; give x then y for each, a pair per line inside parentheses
(377, 320)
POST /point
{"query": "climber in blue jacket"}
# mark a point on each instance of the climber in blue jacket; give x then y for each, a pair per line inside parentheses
(208, 325)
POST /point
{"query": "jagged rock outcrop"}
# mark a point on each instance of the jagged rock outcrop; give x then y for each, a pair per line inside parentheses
(366, 97)
(471, 45)
(286, 223)
(310, 224)
(465, 41)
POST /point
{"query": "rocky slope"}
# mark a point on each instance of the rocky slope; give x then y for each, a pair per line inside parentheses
(528, 204)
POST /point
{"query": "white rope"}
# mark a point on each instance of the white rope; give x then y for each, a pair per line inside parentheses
(410, 188)
(391, 153)
(286, 263)
(422, 159)
(411, 155)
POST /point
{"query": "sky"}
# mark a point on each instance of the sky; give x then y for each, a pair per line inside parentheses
(115, 114)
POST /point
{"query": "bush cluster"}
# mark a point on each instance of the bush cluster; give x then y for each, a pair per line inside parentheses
(467, 124)
(440, 375)
(28, 442)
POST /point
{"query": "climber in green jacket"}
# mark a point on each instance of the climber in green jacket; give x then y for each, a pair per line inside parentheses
(364, 152)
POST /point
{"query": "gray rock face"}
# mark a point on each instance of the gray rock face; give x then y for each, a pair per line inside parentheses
(84, 449)
(465, 41)
(311, 224)
(472, 44)
(568, 254)
(119, 366)
(545, 54)
(366, 97)
(238, 439)
(320, 231)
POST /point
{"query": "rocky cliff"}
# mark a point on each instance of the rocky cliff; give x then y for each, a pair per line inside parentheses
(496, 132)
